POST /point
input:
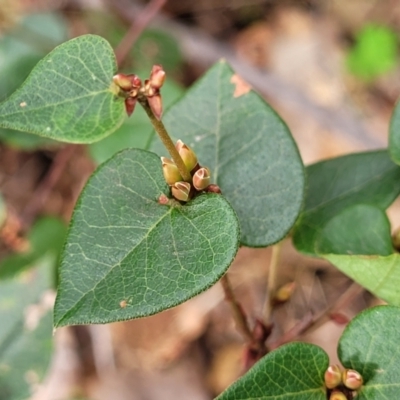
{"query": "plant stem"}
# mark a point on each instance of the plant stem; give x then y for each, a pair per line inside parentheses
(167, 141)
(238, 313)
(271, 284)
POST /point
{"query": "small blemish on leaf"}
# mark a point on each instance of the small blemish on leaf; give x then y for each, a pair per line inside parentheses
(163, 199)
(23, 104)
(241, 86)
(123, 303)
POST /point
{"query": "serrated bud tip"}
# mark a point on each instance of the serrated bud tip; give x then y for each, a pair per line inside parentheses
(157, 77)
(333, 376)
(201, 178)
(181, 191)
(352, 379)
(337, 395)
(188, 155)
(170, 171)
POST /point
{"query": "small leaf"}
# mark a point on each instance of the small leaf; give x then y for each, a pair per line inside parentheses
(247, 147)
(394, 134)
(370, 345)
(379, 275)
(369, 178)
(68, 96)
(128, 256)
(294, 371)
(360, 229)
(25, 331)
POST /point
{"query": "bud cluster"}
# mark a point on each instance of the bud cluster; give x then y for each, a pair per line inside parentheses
(340, 382)
(181, 190)
(133, 89)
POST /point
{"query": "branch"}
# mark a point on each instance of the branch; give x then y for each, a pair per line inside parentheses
(138, 24)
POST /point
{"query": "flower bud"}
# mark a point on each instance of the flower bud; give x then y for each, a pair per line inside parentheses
(130, 104)
(188, 155)
(333, 376)
(157, 76)
(181, 191)
(284, 293)
(336, 395)
(170, 171)
(155, 104)
(352, 379)
(127, 82)
(201, 178)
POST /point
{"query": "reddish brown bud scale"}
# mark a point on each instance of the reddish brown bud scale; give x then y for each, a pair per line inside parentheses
(130, 104)
(157, 77)
(339, 318)
(155, 104)
(213, 189)
(123, 81)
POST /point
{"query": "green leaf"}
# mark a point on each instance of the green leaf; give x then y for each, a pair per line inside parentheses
(360, 229)
(370, 345)
(46, 237)
(334, 186)
(394, 134)
(374, 53)
(20, 50)
(294, 371)
(136, 131)
(25, 331)
(249, 150)
(69, 94)
(128, 256)
(379, 275)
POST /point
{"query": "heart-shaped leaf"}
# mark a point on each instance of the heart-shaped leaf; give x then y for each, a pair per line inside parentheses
(128, 256)
(336, 185)
(370, 345)
(25, 331)
(294, 371)
(380, 275)
(394, 134)
(69, 95)
(248, 148)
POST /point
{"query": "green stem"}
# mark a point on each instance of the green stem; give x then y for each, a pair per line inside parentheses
(167, 141)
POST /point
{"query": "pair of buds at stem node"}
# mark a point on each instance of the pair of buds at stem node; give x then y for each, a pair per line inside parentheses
(133, 89)
(335, 378)
(181, 190)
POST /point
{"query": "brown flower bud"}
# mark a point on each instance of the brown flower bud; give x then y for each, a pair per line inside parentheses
(352, 379)
(123, 81)
(155, 104)
(157, 77)
(337, 395)
(333, 376)
(170, 171)
(201, 178)
(188, 155)
(181, 191)
(130, 104)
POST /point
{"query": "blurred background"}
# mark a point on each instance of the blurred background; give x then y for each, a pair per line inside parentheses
(331, 70)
